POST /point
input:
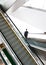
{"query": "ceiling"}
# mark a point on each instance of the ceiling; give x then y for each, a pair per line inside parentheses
(14, 4)
(7, 3)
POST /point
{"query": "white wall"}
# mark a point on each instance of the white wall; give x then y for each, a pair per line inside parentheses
(7, 3)
(32, 17)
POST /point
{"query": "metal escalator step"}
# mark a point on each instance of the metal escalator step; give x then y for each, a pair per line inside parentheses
(2, 22)
(17, 50)
(1, 18)
(16, 47)
(25, 58)
(15, 44)
(20, 50)
(30, 62)
(14, 41)
(22, 54)
(10, 37)
(3, 27)
(6, 30)
(18, 43)
(8, 33)
(0, 15)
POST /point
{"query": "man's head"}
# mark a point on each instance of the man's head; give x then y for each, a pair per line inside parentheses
(26, 29)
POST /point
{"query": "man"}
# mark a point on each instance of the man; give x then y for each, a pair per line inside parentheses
(26, 34)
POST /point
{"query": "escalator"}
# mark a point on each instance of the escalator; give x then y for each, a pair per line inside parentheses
(20, 51)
